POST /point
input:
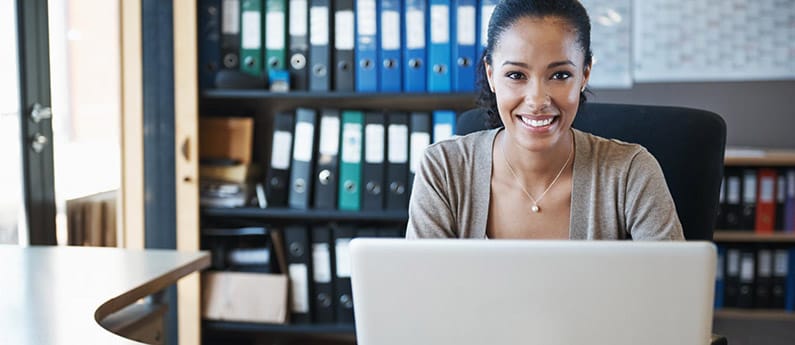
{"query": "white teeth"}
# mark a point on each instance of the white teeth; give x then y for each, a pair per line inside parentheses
(536, 123)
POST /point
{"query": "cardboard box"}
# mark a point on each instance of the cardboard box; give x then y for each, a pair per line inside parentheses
(226, 138)
(247, 297)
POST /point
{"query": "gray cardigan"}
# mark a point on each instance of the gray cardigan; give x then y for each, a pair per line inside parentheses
(618, 191)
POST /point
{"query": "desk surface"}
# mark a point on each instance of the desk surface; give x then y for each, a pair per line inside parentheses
(55, 295)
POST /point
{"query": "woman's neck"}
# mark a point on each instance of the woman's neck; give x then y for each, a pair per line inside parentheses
(536, 166)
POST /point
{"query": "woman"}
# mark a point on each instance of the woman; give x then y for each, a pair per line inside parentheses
(534, 176)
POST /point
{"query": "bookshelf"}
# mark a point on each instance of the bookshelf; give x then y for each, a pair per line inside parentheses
(748, 239)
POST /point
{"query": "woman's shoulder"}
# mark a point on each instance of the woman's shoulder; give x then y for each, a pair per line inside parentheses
(462, 148)
(608, 150)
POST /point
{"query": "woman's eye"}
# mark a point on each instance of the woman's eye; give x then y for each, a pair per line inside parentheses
(514, 75)
(561, 75)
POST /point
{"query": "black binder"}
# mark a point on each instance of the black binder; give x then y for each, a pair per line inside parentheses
(745, 298)
(420, 139)
(781, 198)
(373, 169)
(343, 45)
(342, 279)
(320, 24)
(764, 278)
(299, 268)
(397, 166)
(278, 175)
(327, 162)
(720, 216)
(322, 275)
(298, 45)
(230, 34)
(209, 42)
(733, 205)
(731, 276)
(748, 218)
(301, 179)
(780, 270)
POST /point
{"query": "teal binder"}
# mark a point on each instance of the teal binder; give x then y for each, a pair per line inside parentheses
(351, 160)
(251, 53)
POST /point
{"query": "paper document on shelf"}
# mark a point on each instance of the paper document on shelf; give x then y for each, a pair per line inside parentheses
(610, 43)
(744, 152)
(713, 40)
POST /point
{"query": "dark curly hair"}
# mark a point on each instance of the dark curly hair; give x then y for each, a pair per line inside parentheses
(505, 14)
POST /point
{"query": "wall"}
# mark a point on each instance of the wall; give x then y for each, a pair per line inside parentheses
(758, 114)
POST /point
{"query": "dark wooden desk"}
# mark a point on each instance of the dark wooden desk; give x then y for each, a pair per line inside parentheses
(56, 295)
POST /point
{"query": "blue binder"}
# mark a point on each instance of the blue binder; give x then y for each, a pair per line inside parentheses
(719, 277)
(414, 46)
(464, 30)
(366, 50)
(209, 42)
(439, 50)
(790, 302)
(390, 34)
(484, 14)
(443, 125)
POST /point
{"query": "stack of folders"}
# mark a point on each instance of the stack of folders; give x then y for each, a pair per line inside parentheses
(757, 199)
(225, 167)
(343, 45)
(318, 266)
(349, 160)
(755, 276)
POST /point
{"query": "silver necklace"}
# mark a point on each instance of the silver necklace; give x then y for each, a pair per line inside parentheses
(535, 201)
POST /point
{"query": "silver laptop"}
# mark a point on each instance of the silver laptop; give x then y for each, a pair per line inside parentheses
(467, 292)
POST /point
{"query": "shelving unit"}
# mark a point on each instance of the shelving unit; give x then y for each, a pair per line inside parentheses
(738, 323)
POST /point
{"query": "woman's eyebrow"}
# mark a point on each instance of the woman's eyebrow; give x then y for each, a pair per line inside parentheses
(551, 65)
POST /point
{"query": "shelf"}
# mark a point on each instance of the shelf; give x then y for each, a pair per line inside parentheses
(285, 214)
(264, 94)
(214, 102)
(750, 236)
(310, 329)
(755, 314)
(759, 157)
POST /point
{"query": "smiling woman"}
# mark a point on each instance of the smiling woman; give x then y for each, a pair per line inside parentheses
(519, 180)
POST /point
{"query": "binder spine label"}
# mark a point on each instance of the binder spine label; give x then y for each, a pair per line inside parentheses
(343, 258)
(300, 288)
(465, 25)
(440, 24)
(767, 186)
(329, 135)
(321, 263)
(366, 19)
(415, 29)
(251, 27)
(374, 147)
(230, 23)
(485, 16)
(280, 158)
(276, 35)
(398, 144)
(344, 34)
(352, 150)
(319, 32)
(390, 26)
(298, 21)
(303, 148)
(733, 190)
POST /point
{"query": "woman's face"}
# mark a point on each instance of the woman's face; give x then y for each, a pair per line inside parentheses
(536, 74)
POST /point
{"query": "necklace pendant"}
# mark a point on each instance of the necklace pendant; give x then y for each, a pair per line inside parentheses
(535, 209)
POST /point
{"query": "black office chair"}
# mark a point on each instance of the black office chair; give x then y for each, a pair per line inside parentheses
(688, 143)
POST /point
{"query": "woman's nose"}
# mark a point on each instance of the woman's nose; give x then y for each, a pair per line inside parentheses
(537, 95)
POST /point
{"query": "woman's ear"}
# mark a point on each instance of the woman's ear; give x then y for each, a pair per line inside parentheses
(489, 75)
(586, 73)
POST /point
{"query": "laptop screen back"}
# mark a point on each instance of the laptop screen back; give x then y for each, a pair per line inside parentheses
(463, 292)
